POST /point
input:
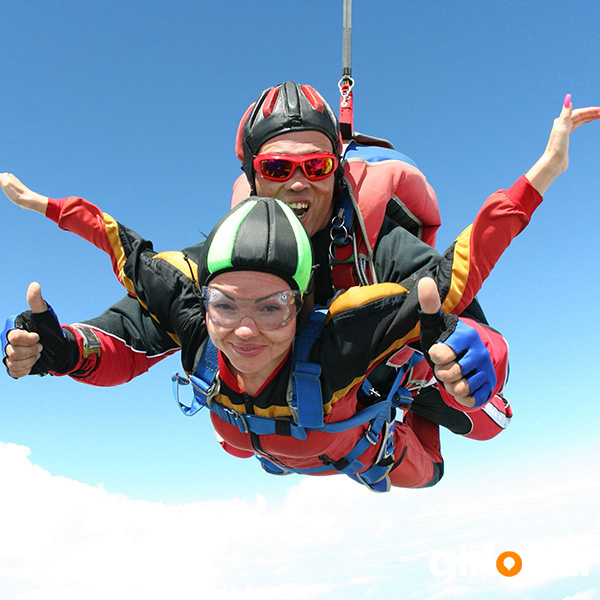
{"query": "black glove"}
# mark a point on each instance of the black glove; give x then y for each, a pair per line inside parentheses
(60, 351)
(435, 328)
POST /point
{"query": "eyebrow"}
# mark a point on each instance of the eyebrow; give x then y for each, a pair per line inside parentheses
(255, 300)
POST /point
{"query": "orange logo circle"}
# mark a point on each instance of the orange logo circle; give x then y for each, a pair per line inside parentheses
(513, 570)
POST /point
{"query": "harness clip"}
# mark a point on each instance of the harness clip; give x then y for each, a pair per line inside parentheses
(237, 419)
(371, 437)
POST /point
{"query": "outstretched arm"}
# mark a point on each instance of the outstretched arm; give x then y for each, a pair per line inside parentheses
(461, 271)
(131, 341)
(504, 215)
(165, 281)
(487, 242)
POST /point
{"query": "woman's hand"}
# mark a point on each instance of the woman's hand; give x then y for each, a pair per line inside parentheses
(555, 158)
(21, 195)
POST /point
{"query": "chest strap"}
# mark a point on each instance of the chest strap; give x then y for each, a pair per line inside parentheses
(306, 376)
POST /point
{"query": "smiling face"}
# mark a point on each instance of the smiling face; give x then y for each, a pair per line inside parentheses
(252, 354)
(310, 200)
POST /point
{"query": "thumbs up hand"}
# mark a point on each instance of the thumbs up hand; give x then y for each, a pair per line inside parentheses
(34, 342)
(459, 359)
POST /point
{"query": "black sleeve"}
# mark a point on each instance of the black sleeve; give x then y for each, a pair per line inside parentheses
(165, 284)
(127, 320)
(416, 256)
(399, 254)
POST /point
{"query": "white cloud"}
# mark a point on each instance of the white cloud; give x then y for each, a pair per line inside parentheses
(329, 538)
(586, 595)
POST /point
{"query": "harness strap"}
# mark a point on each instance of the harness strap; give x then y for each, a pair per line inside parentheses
(380, 416)
(342, 222)
(204, 380)
(265, 425)
(349, 263)
(381, 427)
(376, 477)
(306, 382)
(399, 394)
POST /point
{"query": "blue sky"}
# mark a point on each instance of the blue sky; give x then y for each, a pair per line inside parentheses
(134, 105)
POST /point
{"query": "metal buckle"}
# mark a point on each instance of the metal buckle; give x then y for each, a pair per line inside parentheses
(371, 437)
(239, 420)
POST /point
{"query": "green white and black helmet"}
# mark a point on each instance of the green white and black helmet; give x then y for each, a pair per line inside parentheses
(261, 234)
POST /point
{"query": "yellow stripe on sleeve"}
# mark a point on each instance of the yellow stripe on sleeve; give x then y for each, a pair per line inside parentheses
(460, 270)
(112, 232)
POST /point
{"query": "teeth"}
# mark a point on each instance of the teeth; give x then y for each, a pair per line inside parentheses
(299, 207)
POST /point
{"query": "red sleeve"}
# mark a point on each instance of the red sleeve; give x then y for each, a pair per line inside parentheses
(88, 222)
(118, 362)
(82, 218)
(475, 252)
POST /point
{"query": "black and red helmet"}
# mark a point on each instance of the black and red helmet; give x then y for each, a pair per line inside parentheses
(288, 106)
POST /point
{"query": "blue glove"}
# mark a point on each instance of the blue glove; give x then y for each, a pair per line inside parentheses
(471, 353)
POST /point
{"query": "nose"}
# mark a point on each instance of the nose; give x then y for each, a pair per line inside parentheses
(246, 328)
(298, 181)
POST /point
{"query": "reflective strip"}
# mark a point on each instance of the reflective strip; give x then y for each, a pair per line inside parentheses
(496, 415)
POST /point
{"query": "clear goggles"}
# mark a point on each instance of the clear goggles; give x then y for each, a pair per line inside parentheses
(269, 312)
(280, 167)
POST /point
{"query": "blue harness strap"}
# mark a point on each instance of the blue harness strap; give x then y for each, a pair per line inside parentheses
(203, 380)
(306, 375)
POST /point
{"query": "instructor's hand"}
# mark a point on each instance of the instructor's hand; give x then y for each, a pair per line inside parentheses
(459, 359)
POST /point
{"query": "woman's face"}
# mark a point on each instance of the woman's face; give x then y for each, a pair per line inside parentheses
(252, 354)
